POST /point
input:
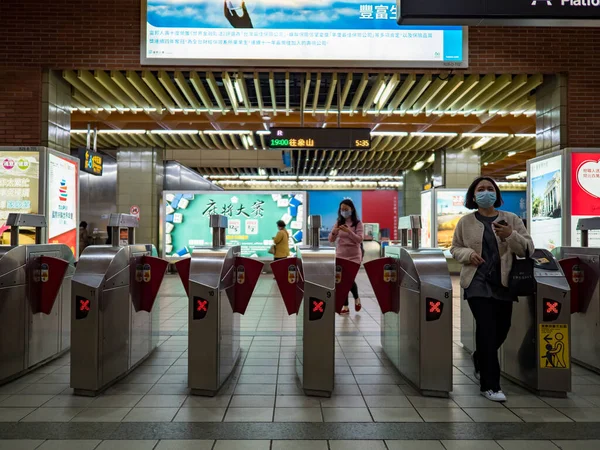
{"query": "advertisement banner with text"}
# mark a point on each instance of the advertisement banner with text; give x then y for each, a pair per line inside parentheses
(545, 203)
(63, 201)
(19, 186)
(252, 220)
(585, 194)
(292, 33)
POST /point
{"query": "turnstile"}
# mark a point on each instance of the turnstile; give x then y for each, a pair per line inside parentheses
(536, 353)
(313, 285)
(219, 283)
(35, 284)
(581, 266)
(114, 321)
(414, 290)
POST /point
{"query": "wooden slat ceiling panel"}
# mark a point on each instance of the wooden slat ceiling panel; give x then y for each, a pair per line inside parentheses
(413, 114)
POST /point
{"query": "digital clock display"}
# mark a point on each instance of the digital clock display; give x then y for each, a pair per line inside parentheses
(319, 138)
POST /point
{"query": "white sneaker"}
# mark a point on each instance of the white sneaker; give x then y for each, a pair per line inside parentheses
(494, 396)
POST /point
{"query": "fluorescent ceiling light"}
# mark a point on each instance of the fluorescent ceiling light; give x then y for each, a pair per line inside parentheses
(511, 154)
(389, 133)
(517, 176)
(380, 93)
(221, 177)
(419, 166)
(238, 91)
(521, 135)
(426, 134)
(266, 118)
(174, 132)
(263, 133)
(262, 172)
(254, 177)
(236, 132)
(431, 158)
(283, 177)
(333, 172)
(486, 135)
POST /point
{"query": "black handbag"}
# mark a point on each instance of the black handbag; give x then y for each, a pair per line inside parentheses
(521, 281)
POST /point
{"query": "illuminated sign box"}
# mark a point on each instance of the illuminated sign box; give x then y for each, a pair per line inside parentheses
(308, 33)
(91, 162)
(320, 138)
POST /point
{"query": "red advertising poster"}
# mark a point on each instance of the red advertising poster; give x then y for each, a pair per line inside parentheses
(585, 193)
(381, 207)
(63, 201)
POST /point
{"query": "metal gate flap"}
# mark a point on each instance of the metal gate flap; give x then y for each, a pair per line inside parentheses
(287, 275)
(345, 274)
(47, 276)
(153, 272)
(183, 269)
(247, 273)
(383, 275)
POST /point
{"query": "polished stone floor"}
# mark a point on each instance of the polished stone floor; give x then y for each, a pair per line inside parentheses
(261, 406)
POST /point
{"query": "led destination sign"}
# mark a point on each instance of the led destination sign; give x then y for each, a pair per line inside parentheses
(319, 138)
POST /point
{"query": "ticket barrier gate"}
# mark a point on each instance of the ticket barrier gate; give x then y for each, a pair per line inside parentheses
(219, 284)
(414, 290)
(314, 285)
(536, 353)
(35, 285)
(114, 324)
(581, 266)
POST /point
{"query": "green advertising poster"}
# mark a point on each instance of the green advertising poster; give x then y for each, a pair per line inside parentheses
(252, 218)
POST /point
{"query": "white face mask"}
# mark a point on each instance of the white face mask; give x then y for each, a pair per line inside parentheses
(346, 214)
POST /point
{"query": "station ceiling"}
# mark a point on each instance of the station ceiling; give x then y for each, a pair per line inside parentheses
(196, 115)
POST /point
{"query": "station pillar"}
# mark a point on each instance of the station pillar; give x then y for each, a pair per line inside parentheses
(458, 168)
(139, 189)
(551, 115)
(56, 112)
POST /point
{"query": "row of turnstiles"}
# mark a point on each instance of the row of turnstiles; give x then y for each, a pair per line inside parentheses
(104, 308)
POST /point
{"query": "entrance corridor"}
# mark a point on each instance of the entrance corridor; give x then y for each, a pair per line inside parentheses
(261, 406)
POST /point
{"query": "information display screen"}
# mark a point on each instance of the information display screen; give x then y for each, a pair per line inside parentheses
(545, 202)
(19, 186)
(585, 194)
(294, 33)
(320, 138)
(91, 162)
(252, 220)
(63, 201)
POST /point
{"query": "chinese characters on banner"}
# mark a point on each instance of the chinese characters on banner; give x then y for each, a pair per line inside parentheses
(344, 30)
(252, 220)
(63, 201)
(585, 194)
(19, 184)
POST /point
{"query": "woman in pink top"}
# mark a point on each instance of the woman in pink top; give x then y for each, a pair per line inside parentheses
(348, 236)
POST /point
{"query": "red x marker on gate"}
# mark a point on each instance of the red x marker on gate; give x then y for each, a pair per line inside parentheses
(202, 305)
(84, 305)
(434, 307)
(552, 307)
(317, 306)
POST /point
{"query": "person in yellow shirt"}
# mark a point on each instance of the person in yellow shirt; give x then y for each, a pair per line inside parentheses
(281, 240)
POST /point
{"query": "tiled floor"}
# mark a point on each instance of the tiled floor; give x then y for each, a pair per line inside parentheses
(263, 388)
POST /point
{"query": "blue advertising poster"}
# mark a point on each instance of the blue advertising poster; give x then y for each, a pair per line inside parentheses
(326, 204)
(295, 31)
(515, 202)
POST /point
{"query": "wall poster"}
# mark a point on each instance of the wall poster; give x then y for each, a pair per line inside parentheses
(450, 207)
(545, 203)
(585, 194)
(63, 202)
(426, 205)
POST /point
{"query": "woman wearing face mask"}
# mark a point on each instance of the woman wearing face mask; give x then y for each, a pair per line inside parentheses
(484, 243)
(348, 234)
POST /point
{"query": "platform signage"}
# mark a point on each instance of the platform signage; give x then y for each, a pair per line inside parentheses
(500, 12)
(294, 33)
(63, 201)
(91, 162)
(585, 194)
(545, 213)
(19, 184)
(320, 138)
(252, 220)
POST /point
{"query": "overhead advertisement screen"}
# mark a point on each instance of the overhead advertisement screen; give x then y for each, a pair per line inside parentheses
(252, 220)
(63, 187)
(19, 185)
(545, 202)
(294, 33)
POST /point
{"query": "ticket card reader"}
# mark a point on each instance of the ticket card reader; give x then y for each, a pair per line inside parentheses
(581, 266)
(414, 290)
(313, 285)
(536, 353)
(219, 283)
(114, 317)
(35, 285)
